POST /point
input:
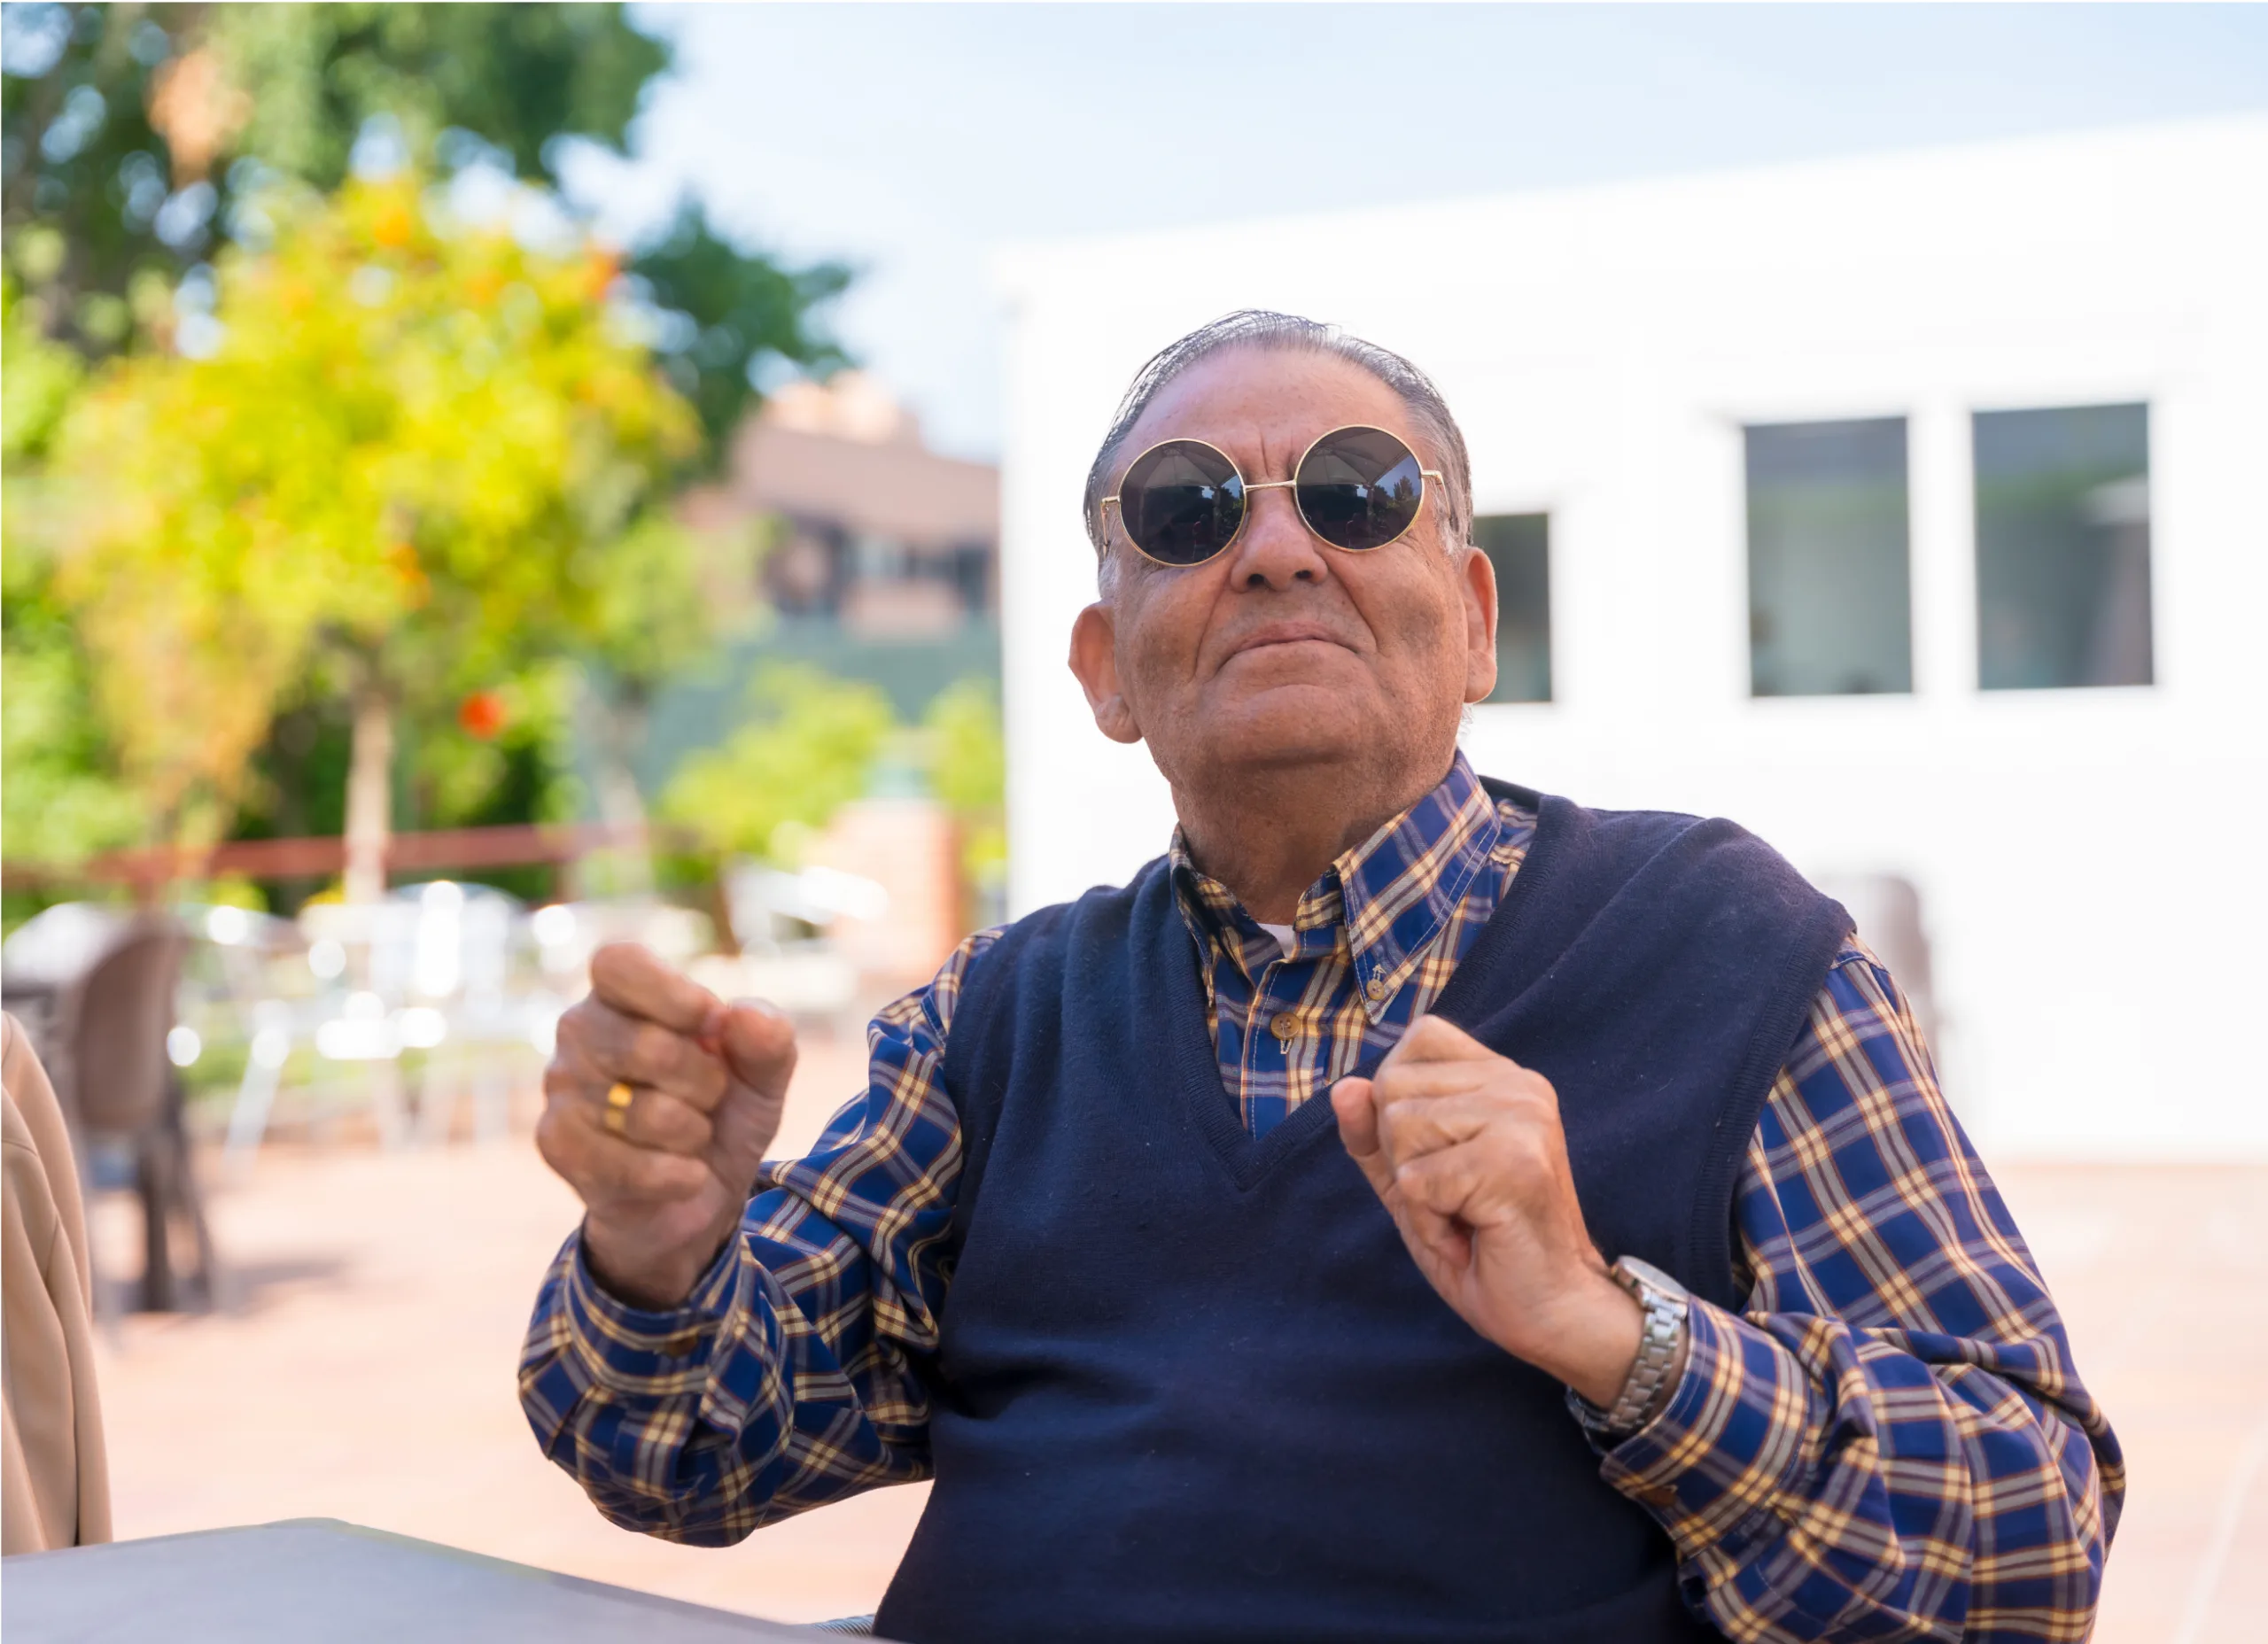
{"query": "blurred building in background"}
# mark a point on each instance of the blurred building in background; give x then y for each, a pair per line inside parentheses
(883, 535)
(881, 563)
(1906, 509)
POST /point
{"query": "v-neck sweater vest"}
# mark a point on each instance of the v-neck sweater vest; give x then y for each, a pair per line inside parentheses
(1190, 1385)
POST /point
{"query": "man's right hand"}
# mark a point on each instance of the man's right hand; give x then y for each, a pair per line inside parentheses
(665, 1179)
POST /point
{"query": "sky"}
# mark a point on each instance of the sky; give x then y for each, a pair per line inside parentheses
(916, 141)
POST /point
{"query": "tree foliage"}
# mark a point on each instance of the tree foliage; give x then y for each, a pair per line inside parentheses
(967, 759)
(35, 389)
(812, 743)
(724, 312)
(62, 799)
(658, 595)
(125, 125)
(82, 172)
(967, 768)
(405, 459)
(805, 751)
(329, 449)
(134, 135)
(520, 78)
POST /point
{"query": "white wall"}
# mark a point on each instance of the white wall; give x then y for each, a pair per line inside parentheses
(2090, 861)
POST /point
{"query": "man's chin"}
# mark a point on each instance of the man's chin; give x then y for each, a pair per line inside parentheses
(1289, 725)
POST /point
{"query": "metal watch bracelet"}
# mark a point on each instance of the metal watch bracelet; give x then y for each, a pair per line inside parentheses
(1648, 1386)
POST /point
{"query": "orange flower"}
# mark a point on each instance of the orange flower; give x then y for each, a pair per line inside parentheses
(600, 269)
(483, 714)
(416, 584)
(394, 226)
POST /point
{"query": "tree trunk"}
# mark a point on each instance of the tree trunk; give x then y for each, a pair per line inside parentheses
(369, 796)
(621, 725)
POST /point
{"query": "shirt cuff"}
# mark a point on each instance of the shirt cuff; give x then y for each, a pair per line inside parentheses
(1714, 1467)
(644, 1353)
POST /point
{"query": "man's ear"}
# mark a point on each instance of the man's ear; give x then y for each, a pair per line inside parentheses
(1094, 658)
(1476, 586)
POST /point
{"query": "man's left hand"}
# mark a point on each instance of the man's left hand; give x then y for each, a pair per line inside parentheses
(1464, 1148)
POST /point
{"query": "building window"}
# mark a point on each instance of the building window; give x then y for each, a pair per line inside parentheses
(969, 568)
(805, 574)
(1519, 546)
(2063, 548)
(1830, 602)
(880, 559)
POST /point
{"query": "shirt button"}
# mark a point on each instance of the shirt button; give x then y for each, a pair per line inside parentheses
(1375, 988)
(1284, 1024)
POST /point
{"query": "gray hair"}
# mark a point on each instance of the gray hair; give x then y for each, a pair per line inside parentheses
(1260, 328)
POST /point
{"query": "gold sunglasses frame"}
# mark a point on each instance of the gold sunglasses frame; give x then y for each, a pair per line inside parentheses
(1249, 486)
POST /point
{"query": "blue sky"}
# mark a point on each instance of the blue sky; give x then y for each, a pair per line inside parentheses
(916, 140)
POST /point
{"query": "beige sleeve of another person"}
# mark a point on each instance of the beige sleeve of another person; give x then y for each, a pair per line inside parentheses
(54, 1473)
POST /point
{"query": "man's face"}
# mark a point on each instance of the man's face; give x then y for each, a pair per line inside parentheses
(1283, 650)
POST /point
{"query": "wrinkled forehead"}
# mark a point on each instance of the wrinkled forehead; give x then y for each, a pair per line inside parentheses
(1265, 406)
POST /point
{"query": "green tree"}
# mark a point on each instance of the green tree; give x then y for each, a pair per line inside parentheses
(467, 429)
(62, 799)
(123, 123)
(141, 143)
(725, 312)
(968, 761)
(812, 743)
(803, 752)
(81, 163)
(519, 77)
(661, 596)
(134, 135)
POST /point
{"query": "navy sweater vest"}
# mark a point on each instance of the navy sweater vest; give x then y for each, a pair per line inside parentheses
(1190, 1385)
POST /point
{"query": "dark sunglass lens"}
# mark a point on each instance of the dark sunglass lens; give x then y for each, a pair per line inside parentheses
(1360, 488)
(1181, 502)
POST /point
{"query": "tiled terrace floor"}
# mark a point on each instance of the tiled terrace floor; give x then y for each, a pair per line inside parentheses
(365, 1372)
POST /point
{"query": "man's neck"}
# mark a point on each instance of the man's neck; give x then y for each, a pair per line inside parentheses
(1272, 833)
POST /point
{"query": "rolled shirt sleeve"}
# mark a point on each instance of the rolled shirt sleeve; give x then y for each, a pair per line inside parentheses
(1889, 1439)
(787, 1379)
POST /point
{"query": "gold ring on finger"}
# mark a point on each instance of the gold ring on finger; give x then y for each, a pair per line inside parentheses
(617, 1116)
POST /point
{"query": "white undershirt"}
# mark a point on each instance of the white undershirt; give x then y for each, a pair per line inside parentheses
(1285, 938)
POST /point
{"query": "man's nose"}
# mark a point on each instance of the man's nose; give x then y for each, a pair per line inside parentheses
(1275, 549)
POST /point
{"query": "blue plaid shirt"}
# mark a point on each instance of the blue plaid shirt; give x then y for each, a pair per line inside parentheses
(1888, 1439)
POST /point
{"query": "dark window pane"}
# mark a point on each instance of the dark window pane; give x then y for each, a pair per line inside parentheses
(1829, 609)
(2063, 547)
(1519, 546)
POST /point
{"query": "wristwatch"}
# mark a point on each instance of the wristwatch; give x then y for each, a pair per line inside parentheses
(1649, 1386)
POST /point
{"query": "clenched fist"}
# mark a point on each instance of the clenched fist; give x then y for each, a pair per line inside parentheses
(1464, 1148)
(665, 1165)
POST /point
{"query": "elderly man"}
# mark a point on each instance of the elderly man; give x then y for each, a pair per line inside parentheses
(1415, 1208)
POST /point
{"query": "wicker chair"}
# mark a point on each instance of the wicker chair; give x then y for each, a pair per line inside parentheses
(119, 1087)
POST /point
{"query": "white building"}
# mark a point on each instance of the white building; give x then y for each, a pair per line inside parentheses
(2061, 620)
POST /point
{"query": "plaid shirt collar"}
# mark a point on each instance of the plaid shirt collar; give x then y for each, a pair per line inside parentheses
(1384, 900)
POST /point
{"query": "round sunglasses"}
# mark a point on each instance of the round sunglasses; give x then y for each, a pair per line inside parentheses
(1183, 501)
